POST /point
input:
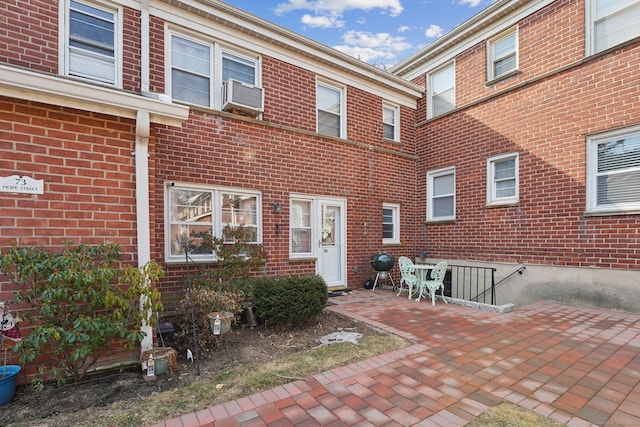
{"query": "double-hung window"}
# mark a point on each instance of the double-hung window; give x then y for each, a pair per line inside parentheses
(441, 195)
(194, 212)
(238, 68)
(301, 227)
(330, 105)
(191, 71)
(611, 22)
(442, 90)
(613, 171)
(502, 179)
(390, 223)
(390, 116)
(502, 52)
(92, 45)
(199, 68)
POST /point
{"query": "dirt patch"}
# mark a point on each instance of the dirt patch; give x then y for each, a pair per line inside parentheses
(71, 404)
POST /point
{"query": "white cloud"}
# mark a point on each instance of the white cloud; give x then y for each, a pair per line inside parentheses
(403, 28)
(471, 3)
(365, 54)
(366, 39)
(434, 31)
(322, 21)
(369, 46)
(338, 7)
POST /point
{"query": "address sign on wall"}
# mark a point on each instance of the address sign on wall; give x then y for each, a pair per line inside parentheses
(17, 184)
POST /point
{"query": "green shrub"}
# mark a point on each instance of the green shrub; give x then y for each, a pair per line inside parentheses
(76, 307)
(224, 286)
(289, 300)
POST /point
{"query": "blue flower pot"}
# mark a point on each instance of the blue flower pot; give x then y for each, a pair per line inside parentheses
(8, 377)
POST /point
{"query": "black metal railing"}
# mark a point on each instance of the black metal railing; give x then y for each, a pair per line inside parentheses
(471, 283)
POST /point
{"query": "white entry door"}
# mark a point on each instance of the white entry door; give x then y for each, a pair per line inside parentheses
(332, 254)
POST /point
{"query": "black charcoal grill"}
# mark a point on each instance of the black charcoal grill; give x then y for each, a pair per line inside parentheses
(383, 262)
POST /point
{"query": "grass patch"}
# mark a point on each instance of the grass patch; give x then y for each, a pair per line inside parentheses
(244, 381)
(509, 415)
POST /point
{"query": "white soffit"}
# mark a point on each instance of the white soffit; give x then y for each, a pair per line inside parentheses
(30, 86)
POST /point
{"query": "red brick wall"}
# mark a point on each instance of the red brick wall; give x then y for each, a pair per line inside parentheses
(156, 53)
(29, 34)
(213, 150)
(88, 169)
(290, 94)
(131, 50)
(547, 40)
(547, 122)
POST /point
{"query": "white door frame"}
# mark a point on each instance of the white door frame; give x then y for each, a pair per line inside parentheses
(331, 239)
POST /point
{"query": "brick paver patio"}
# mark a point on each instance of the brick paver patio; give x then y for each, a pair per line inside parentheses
(576, 365)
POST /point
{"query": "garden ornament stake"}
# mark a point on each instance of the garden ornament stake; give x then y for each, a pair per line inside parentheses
(193, 316)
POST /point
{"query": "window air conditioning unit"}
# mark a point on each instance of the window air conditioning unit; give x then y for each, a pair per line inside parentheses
(242, 98)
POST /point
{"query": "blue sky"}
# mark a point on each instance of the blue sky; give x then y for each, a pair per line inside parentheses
(381, 32)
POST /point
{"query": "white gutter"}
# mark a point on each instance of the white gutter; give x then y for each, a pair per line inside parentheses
(143, 130)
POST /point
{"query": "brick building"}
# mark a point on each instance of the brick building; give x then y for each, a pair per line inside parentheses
(151, 122)
(529, 133)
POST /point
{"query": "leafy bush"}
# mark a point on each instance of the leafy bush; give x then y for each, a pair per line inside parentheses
(77, 308)
(225, 286)
(236, 256)
(289, 300)
(204, 300)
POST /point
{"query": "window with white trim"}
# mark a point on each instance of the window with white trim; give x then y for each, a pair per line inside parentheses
(194, 212)
(502, 52)
(613, 171)
(611, 22)
(330, 106)
(442, 90)
(301, 227)
(441, 194)
(199, 68)
(191, 71)
(91, 48)
(238, 67)
(502, 179)
(390, 223)
(390, 128)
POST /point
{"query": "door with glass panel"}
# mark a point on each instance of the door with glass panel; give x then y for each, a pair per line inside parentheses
(317, 231)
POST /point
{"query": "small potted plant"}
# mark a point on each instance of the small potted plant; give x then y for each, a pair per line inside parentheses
(164, 359)
(225, 304)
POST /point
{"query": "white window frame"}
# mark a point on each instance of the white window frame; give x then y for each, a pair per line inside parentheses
(313, 238)
(433, 95)
(216, 224)
(617, 34)
(431, 175)
(491, 53)
(342, 91)
(593, 174)
(217, 53)
(492, 198)
(239, 56)
(395, 125)
(395, 223)
(170, 67)
(68, 52)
